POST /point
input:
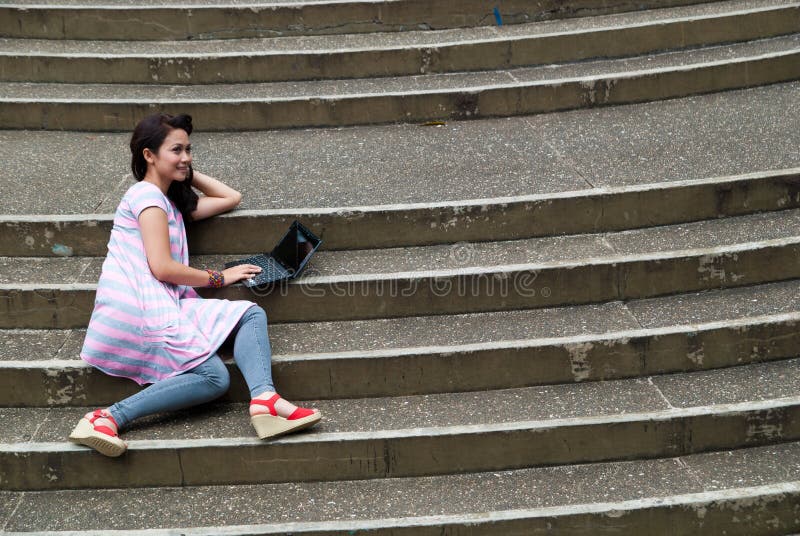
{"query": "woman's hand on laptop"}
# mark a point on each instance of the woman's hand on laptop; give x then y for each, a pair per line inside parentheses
(234, 274)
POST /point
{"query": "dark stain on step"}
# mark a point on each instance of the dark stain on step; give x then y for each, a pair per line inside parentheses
(466, 104)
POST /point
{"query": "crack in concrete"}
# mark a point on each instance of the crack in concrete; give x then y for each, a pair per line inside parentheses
(13, 512)
(388, 466)
(633, 315)
(82, 271)
(113, 190)
(660, 392)
(301, 29)
(180, 467)
(609, 245)
(35, 433)
(689, 471)
(63, 343)
(134, 21)
(573, 165)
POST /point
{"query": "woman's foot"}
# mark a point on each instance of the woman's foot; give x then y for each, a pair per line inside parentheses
(98, 429)
(271, 416)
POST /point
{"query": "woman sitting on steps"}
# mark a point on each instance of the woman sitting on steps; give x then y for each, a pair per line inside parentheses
(149, 324)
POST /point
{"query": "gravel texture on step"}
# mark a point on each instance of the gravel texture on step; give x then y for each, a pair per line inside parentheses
(550, 405)
(432, 83)
(377, 41)
(398, 497)
(691, 138)
(482, 256)
(309, 338)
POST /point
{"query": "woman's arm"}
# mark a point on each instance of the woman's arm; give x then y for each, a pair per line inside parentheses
(155, 236)
(218, 197)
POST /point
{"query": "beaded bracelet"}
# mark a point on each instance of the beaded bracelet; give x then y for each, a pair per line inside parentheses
(215, 279)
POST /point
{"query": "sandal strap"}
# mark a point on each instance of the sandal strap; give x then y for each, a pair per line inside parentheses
(102, 414)
(270, 403)
(300, 413)
(105, 430)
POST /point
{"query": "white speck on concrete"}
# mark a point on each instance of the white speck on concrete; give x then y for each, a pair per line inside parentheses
(696, 356)
(708, 269)
(579, 362)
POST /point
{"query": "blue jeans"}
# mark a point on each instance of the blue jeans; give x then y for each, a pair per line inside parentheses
(210, 379)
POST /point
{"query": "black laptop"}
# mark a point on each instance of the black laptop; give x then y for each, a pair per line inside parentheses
(286, 261)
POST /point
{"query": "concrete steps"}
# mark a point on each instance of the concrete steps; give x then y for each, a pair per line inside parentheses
(346, 228)
(454, 353)
(461, 278)
(407, 170)
(662, 416)
(757, 486)
(527, 324)
(109, 19)
(410, 99)
(392, 54)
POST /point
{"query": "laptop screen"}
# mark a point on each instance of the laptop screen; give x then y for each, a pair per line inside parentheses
(294, 249)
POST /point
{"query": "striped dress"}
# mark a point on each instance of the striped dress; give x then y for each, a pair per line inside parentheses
(142, 328)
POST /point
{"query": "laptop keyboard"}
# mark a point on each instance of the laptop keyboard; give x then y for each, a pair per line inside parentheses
(271, 270)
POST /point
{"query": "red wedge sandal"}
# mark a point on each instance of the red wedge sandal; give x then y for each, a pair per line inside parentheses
(271, 424)
(101, 438)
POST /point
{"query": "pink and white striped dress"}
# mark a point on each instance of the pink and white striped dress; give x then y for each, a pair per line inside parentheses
(142, 328)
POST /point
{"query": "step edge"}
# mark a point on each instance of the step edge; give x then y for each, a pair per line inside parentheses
(465, 204)
(538, 342)
(778, 7)
(715, 410)
(512, 84)
(503, 269)
(243, 6)
(698, 501)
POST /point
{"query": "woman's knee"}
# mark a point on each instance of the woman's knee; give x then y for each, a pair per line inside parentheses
(216, 375)
(256, 312)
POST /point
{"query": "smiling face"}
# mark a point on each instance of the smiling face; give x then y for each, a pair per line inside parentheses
(173, 158)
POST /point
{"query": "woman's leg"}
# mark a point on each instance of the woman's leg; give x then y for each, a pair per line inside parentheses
(253, 355)
(252, 352)
(204, 383)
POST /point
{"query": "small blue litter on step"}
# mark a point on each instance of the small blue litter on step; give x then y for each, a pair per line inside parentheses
(498, 17)
(62, 251)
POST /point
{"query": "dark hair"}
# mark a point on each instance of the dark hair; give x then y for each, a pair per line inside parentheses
(150, 134)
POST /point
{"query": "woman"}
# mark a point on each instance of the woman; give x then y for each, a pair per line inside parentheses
(149, 324)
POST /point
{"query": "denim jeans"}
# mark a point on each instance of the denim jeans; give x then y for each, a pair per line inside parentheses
(210, 379)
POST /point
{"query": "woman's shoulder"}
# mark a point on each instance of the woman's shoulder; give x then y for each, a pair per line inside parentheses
(145, 191)
(141, 195)
(143, 188)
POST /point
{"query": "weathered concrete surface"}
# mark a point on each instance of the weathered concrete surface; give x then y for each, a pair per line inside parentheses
(775, 302)
(476, 277)
(94, 20)
(732, 385)
(547, 251)
(394, 54)
(716, 135)
(462, 352)
(714, 306)
(443, 369)
(626, 491)
(412, 436)
(409, 99)
(455, 432)
(34, 344)
(592, 210)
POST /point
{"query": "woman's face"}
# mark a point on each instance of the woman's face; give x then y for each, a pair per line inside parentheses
(174, 156)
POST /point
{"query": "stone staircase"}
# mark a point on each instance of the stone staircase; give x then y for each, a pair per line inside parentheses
(577, 322)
